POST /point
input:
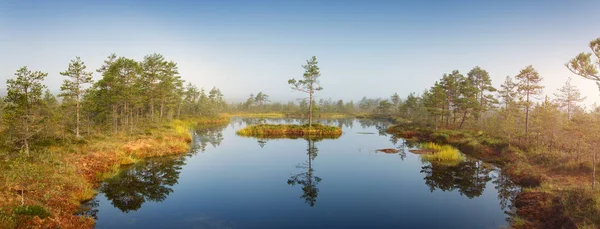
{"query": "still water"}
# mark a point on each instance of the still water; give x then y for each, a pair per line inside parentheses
(228, 181)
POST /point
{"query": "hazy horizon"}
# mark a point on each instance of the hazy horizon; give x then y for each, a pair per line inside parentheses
(367, 48)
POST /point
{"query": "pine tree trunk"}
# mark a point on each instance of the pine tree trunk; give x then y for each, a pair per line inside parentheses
(594, 170)
(26, 137)
(463, 119)
(125, 112)
(527, 118)
(151, 108)
(22, 196)
(569, 110)
(131, 120)
(310, 107)
(578, 151)
(77, 119)
(115, 119)
(162, 107)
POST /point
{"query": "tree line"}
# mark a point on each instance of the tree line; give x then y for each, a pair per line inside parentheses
(130, 96)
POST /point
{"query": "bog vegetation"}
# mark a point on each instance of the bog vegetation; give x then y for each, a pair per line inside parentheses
(443, 154)
(53, 153)
(291, 131)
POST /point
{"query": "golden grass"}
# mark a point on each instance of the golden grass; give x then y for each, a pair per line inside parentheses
(221, 118)
(59, 178)
(442, 154)
(260, 115)
(290, 131)
(334, 115)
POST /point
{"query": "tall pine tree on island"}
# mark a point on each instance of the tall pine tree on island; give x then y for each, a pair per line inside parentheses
(308, 84)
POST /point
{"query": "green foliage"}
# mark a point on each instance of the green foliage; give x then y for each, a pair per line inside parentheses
(583, 64)
(440, 137)
(73, 87)
(309, 83)
(23, 103)
(32, 210)
(384, 107)
(528, 85)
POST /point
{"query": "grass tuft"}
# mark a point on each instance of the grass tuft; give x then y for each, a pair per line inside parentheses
(442, 153)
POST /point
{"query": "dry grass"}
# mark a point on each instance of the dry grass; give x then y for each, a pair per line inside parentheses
(290, 131)
(221, 118)
(58, 179)
(260, 115)
(557, 174)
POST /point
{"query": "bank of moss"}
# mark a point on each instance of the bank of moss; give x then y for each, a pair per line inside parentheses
(551, 198)
(56, 179)
(290, 131)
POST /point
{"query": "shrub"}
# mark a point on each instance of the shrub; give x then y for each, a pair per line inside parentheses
(441, 138)
(32, 210)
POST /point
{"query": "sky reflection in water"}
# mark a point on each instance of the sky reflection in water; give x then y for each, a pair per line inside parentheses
(228, 181)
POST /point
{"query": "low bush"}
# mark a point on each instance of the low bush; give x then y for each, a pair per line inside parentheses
(32, 210)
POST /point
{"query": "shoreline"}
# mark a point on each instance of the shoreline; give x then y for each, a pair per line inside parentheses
(537, 206)
(83, 167)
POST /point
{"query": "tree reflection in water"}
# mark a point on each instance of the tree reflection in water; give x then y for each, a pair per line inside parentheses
(262, 142)
(469, 177)
(307, 179)
(207, 134)
(150, 180)
(507, 190)
(401, 147)
(380, 124)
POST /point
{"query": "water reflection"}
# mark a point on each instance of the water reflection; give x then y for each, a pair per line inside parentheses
(207, 134)
(153, 180)
(402, 147)
(262, 142)
(150, 180)
(469, 177)
(340, 122)
(307, 179)
(507, 190)
(380, 124)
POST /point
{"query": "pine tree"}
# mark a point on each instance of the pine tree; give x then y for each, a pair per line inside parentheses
(73, 87)
(568, 97)
(483, 85)
(529, 86)
(23, 100)
(309, 84)
(508, 92)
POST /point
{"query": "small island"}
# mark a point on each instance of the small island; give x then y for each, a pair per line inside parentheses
(291, 131)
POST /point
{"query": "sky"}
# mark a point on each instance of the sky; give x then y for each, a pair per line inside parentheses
(365, 48)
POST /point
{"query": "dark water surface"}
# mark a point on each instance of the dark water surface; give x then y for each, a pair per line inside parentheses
(229, 181)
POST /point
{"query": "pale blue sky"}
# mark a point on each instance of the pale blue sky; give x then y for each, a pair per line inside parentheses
(365, 48)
